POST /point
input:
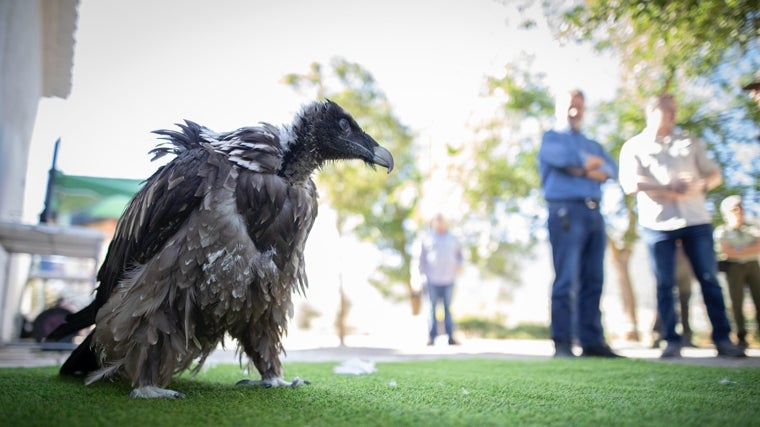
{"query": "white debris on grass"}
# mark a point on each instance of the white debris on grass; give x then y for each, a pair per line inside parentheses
(726, 381)
(355, 367)
(392, 383)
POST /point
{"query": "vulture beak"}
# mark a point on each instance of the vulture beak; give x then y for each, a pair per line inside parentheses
(383, 157)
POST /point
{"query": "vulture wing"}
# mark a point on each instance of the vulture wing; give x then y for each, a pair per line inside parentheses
(153, 215)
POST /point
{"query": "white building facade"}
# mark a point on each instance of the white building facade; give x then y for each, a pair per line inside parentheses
(36, 60)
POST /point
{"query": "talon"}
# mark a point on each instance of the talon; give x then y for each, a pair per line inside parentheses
(297, 382)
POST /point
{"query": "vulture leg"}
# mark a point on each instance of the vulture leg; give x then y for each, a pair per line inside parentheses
(153, 364)
(139, 344)
(151, 371)
(263, 348)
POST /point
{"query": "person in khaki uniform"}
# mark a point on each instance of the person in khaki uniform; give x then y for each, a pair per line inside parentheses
(739, 248)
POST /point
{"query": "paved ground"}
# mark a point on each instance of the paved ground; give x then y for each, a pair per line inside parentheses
(29, 355)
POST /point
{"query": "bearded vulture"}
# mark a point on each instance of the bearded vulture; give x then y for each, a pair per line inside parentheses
(212, 244)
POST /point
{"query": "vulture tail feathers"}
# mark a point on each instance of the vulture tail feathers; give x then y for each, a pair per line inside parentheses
(103, 373)
(75, 322)
(82, 360)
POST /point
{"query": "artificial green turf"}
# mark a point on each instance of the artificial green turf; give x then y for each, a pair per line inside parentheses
(477, 392)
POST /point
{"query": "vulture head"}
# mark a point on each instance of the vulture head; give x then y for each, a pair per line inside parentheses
(327, 132)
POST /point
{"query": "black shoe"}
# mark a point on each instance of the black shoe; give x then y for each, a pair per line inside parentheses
(742, 342)
(686, 341)
(452, 341)
(602, 350)
(672, 350)
(727, 349)
(563, 349)
(430, 342)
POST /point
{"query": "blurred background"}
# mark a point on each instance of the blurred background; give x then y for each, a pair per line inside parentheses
(460, 92)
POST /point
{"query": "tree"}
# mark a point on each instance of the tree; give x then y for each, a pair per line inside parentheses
(498, 172)
(658, 39)
(377, 208)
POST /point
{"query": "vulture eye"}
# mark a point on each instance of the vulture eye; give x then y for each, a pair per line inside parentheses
(344, 125)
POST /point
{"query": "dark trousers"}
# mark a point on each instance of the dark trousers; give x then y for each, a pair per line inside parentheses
(442, 293)
(578, 240)
(684, 277)
(739, 274)
(697, 242)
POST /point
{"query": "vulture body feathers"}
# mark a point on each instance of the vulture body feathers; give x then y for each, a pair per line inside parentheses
(212, 244)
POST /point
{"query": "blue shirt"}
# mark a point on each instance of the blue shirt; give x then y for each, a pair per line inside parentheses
(564, 149)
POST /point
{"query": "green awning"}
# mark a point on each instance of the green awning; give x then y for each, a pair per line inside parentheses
(83, 199)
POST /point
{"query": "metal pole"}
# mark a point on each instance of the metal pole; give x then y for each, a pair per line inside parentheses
(46, 211)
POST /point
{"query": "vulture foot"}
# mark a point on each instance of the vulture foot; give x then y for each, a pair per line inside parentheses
(273, 382)
(153, 392)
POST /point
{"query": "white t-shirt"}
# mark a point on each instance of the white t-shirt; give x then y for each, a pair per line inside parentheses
(645, 158)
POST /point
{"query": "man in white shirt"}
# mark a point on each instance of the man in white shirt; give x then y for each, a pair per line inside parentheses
(670, 173)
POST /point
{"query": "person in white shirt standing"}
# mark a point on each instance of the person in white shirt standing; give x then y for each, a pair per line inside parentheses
(670, 173)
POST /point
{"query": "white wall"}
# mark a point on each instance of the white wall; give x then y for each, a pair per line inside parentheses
(36, 57)
(20, 91)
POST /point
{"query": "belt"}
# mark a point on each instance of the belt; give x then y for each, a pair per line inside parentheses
(589, 202)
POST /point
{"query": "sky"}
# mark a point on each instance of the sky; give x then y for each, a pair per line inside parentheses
(144, 65)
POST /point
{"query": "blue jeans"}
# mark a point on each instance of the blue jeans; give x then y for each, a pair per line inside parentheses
(578, 239)
(697, 242)
(441, 293)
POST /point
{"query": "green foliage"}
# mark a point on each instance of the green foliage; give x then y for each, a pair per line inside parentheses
(659, 38)
(505, 160)
(372, 205)
(447, 392)
(524, 91)
(500, 174)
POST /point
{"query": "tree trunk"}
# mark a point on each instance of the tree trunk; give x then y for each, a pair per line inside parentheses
(342, 315)
(621, 257)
